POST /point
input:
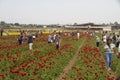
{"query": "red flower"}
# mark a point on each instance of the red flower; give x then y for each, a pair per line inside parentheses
(79, 73)
(1, 55)
(28, 74)
(75, 79)
(32, 79)
(2, 75)
(108, 78)
(34, 73)
(23, 74)
(91, 66)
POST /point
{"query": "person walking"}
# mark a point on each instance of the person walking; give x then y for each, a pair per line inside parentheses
(54, 37)
(1, 32)
(57, 41)
(49, 39)
(30, 41)
(97, 41)
(117, 40)
(92, 34)
(114, 38)
(104, 38)
(109, 51)
(78, 35)
(36, 34)
(20, 39)
(119, 50)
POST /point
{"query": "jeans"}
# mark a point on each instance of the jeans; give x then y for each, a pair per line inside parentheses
(109, 59)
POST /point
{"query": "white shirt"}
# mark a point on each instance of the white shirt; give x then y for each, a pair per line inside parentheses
(54, 36)
(78, 34)
(119, 48)
(104, 38)
(109, 49)
(34, 37)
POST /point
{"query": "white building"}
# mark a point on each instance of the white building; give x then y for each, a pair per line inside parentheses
(104, 28)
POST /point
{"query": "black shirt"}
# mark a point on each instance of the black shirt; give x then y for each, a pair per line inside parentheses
(30, 39)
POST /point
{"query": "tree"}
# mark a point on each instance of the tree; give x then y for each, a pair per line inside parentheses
(75, 24)
(16, 24)
(116, 23)
(111, 24)
(2, 23)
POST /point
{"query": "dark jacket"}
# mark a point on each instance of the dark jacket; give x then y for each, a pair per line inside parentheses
(30, 39)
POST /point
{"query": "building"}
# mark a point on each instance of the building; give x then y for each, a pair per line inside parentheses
(89, 26)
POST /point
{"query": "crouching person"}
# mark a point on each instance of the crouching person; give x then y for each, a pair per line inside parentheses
(30, 41)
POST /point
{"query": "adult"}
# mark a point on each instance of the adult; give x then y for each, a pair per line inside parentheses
(114, 38)
(1, 32)
(54, 37)
(119, 50)
(117, 40)
(109, 51)
(49, 39)
(92, 34)
(24, 36)
(78, 35)
(20, 39)
(36, 34)
(57, 41)
(109, 36)
(104, 38)
(97, 41)
(30, 41)
(72, 34)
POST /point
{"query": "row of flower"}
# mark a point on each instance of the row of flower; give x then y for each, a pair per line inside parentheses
(43, 63)
(90, 64)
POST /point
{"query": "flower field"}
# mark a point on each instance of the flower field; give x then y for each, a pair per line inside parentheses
(90, 64)
(44, 62)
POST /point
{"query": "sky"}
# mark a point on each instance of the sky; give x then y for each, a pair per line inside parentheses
(59, 11)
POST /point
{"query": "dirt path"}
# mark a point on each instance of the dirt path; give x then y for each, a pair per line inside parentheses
(70, 64)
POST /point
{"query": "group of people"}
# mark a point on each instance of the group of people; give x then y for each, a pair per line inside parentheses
(111, 43)
(23, 38)
(56, 38)
(72, 34)
(29, 37)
